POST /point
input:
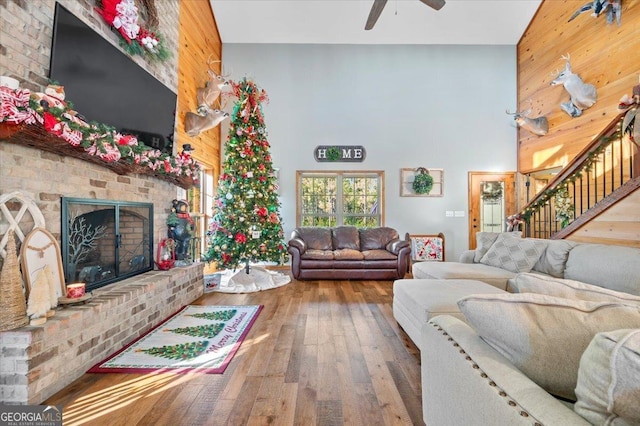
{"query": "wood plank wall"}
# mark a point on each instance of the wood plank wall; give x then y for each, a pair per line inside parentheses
(199, 42)
(607, 56)
(619, 225)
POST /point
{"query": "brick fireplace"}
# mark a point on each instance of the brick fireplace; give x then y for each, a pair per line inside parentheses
(39, 361)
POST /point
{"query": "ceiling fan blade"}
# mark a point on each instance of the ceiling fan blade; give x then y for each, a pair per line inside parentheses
(376, 10)
(436, 4)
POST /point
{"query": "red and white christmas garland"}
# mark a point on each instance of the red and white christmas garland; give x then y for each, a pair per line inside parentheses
(111, 146)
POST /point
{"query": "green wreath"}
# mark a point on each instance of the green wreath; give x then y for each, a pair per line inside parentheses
(333, 154)
(423, 181)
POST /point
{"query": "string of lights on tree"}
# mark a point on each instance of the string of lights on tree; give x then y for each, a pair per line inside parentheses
(246, 225)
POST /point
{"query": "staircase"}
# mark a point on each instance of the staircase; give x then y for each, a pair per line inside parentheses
(605, 172)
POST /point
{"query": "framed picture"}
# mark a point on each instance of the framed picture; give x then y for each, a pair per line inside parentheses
(408, 176)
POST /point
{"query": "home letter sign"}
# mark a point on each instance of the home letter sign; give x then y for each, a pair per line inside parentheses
(333, 153)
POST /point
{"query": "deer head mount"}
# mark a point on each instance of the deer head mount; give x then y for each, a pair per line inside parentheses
(194, 123)
(209, 94)
(583, 95)
(206, 117)
(538, 125)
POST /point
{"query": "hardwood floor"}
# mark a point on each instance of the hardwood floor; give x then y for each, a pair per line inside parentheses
(320, 353)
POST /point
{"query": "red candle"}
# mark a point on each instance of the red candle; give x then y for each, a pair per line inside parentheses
(75, 291)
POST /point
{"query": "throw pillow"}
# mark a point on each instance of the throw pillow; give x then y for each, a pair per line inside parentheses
(513, 254)
(569, 289)
(544, 336)
(608, 387)
(484, 240)
(554, 259)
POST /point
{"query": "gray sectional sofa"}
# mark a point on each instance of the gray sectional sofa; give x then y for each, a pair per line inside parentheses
(511, 339)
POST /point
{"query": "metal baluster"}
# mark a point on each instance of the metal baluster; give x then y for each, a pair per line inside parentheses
(548, 215)
(630, 160)
(573, 184)
(621, 162)
(588, 189)
(613, 173)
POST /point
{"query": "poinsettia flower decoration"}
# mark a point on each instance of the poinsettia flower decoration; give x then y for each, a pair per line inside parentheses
(123, 16)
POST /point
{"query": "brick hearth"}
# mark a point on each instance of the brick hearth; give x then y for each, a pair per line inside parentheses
(38, 361)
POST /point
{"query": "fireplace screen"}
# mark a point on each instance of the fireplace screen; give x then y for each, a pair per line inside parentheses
(105, 241)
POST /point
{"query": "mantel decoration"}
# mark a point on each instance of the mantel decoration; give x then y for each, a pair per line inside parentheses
(51, 124)
(136, 40)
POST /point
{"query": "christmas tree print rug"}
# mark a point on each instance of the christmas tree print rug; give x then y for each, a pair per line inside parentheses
(200, 339)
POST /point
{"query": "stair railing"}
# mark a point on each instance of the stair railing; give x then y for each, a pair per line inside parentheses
(609, 164)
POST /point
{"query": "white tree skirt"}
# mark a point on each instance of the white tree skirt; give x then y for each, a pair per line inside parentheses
(257, 279)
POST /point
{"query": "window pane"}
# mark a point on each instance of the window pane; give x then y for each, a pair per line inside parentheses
(357, 204)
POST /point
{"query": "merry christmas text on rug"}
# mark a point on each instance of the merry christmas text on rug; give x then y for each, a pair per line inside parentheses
(198, 338)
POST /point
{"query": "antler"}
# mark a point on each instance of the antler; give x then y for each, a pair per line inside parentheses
(566, 58)
(222, 73)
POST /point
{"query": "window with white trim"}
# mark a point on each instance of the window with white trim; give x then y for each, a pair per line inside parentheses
(334, 198)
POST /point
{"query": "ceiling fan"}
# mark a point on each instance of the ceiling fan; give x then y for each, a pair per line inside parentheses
(378, 5)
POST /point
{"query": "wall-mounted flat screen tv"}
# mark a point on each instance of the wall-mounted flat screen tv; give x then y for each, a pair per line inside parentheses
(106, 86)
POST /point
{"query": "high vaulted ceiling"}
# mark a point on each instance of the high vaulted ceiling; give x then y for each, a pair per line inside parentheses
(401, 21)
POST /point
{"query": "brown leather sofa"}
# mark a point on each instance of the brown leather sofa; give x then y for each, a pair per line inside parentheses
(346, 252)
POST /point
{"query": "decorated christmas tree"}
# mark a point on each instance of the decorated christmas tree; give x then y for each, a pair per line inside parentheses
(246, 225)
(215, 316)
(207, 331)
(178, 352)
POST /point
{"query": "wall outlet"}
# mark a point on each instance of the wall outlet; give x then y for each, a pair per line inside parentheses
(448, 213)
(459, 213)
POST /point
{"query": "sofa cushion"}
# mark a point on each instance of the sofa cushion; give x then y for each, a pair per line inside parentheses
(569, 289)
(470, 271)
(378, 255)
(554, 257)
(545, 336)
(347, 254)
(614, 267)
(376, 238)
(313, 254)
(417, 301)
(608, 387)
(484, 241)
(316, 238)
(345, 237)
(513, 254)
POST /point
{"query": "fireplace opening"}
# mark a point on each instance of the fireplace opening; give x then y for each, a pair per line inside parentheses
(105, 241)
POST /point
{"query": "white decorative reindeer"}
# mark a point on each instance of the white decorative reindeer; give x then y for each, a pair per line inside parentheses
(206, 118)
(538, 126)
(583, 95)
